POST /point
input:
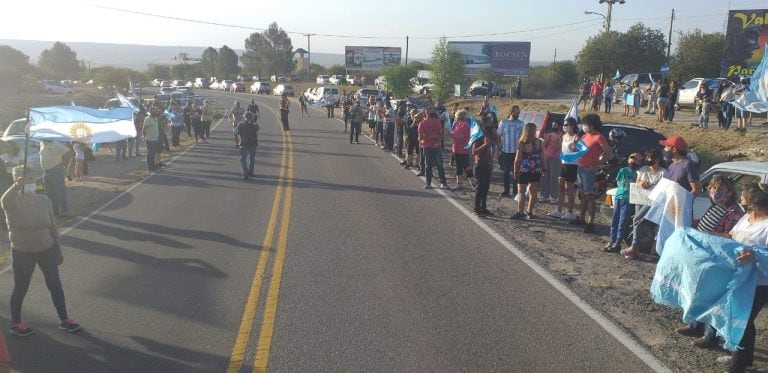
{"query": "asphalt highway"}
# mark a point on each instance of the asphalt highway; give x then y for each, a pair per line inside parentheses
(332, 258)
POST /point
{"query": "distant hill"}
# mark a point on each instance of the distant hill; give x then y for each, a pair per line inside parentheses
(138, 57)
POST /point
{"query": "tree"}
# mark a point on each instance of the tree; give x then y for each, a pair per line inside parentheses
(14, 65)
(488, 74)
(337, 70)
(695, 55)
(159, 72)
(209, 62)
(398, 79)
(60, 62)
(418, 65)
(316, 69)
(226, 64)
(269, 52)
(639, 49)
(447, 69)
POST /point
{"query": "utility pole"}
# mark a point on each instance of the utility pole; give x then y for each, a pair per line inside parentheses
(406, 51)
(608, 18)
(309, 59)
(669, 37)
(554, 61)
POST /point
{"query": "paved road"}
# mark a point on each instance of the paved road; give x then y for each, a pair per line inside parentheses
(357, 268)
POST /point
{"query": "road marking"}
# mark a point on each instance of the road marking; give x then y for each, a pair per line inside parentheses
(251, 303)
(614, 330)
(270, 309)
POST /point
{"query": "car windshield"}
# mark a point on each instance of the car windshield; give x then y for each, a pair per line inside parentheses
(16, 128)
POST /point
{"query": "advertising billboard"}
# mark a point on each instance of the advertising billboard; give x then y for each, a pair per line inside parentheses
(371, 58)
(505, 57)
(745, 39)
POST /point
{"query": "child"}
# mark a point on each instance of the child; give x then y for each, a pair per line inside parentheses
(79, 159)
(622, 209)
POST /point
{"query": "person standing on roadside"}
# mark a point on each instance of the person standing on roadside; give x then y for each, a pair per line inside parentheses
(637, 96)
(35, 242)
(509, 131)
(704, 103)
(52, 160)
(303, 106)
(585, 88)
(151, 134)
(285, 108)
(402, 112)
(481, 150)
(723, 96)
(598, 150)
(529, 167)
(330, 103)
(741, 115)
(206, 119)
(674, 93)
(608, 93)
(345, 106)
(177, 124)
(459, 139)
(188, 118)
(430, 132)
(356, 117)
(652, 91)
(197, 125)
(412, 138)
(663, 100)
(248, 133)
(236, 116)
(596, 94)
(622, 209)
(568, 173)
(553, 143)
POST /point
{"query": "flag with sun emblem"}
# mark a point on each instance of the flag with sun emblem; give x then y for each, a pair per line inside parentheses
(82, 124)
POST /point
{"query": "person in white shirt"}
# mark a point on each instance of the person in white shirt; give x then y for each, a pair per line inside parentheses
(509, 132)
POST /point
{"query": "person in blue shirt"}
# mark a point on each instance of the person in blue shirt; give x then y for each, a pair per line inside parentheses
(622, 209)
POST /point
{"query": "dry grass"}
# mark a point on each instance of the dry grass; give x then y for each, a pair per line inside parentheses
(13, 105)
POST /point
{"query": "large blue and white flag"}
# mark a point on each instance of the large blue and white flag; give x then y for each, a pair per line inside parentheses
(81, 123)
(755, 99)
(475, 132)
(698, 273)
(574, 111)
(571, 157)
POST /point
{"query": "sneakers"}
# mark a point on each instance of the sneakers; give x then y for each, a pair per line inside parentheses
(529, 215)
(726, 359)
(427, 186)
(443, 186)
(69, 325)
(555, 214)
(21, 329)
(568, 216)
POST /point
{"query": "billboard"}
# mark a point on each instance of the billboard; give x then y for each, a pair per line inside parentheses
(371, 58)
(745, 39)
(505, 57)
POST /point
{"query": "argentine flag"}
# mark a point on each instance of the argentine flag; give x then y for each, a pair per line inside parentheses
(82, 123)
(755, 99)
(475, 132)
(617, 76)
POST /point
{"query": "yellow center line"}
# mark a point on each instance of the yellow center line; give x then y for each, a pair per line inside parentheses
(270, 309)
(249, 312)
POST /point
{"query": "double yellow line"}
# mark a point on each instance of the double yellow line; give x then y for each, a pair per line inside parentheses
(284, 192)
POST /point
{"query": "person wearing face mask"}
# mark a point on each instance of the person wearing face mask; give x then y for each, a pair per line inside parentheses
(568, 173)
(553, 143)
(35, 242)
(509, 131)
(647, 177)
(622, 209)
(721, 216)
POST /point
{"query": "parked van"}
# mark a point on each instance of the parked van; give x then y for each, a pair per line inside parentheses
(261, 88)
(320, 92)
(202, 83)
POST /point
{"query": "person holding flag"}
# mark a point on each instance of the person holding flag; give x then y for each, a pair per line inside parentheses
(482, 140)
(597, 150)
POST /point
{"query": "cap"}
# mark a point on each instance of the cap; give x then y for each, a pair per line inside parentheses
(636, 156)
(676, 142)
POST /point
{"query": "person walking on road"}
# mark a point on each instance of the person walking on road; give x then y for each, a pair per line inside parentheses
(247, 132)
(206, 118)
(303, 104)
(285, 108)
(236, 116)
(35, 242)
(356, 117)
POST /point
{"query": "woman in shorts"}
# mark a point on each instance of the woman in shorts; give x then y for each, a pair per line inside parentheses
(459, 140)
(529, 166)
(568, 173)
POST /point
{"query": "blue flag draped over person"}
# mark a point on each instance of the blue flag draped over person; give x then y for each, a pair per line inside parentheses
(698, 273)
(581, 149)
(82, 123)
(475, 132)
(755, 99)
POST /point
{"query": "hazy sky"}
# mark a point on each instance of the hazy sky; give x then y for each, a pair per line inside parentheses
(547, 24)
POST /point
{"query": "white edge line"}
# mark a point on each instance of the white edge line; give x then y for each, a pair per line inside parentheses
(81, 220)
(625, 339)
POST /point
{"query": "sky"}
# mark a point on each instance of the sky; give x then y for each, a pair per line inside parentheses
(550, 25)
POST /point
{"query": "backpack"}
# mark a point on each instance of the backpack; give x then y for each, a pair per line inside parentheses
(249, 134)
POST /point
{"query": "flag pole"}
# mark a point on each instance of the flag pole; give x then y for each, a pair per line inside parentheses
(26, 149)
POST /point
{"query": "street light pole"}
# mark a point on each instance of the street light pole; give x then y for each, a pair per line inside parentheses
(607, 16)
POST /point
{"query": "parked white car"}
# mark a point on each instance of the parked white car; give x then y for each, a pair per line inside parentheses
(336, 79)
(687, 94)
(282, 89)
(260, 88)
(350, 79)
(224, 85)
(54, 87)
(323, 79)
(320, 92)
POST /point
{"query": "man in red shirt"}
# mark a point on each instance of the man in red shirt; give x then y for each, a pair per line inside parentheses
(430, 133)
(598, 151)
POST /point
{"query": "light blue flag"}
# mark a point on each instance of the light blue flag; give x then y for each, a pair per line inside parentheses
(581, 149)
(475, 132)
(698, 273)
(617, 76)
(81, 123)
(495, 111)
(755, 99)
(169, 115)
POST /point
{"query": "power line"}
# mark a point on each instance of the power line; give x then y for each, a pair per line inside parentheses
(337, 35)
